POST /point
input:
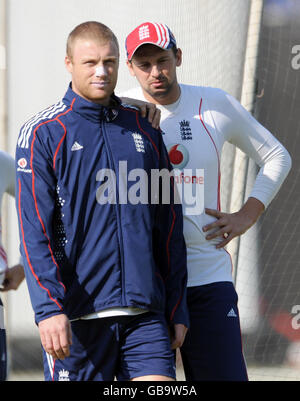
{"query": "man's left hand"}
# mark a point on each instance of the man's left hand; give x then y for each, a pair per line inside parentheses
(231, 225)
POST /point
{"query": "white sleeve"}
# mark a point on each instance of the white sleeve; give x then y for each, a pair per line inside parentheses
(8, 172)
(244, 131)
(7, 165)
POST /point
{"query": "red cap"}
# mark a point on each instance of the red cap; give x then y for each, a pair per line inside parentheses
(149, 33)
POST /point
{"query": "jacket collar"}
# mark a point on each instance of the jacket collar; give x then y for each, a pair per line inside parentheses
(92, 111)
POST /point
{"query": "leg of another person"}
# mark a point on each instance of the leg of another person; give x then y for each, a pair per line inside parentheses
(213, 347)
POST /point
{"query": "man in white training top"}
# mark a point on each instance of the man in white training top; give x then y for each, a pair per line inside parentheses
(196, 122)
(10, 278)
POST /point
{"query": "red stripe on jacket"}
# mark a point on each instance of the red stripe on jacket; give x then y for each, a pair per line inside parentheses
(36, 205)
(26, 252)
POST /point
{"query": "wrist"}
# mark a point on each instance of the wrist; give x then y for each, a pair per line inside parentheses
(251, 211)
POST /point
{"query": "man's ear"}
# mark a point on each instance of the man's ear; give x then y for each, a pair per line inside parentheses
(69, 64)
(178, 57)
(130, 68)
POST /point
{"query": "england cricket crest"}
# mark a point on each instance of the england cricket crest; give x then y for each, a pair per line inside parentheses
(185, 130)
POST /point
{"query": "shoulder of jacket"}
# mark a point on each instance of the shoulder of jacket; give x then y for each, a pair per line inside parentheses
(128, 107)
(43, 117)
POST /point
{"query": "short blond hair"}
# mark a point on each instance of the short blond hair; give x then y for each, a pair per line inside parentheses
(90, 30)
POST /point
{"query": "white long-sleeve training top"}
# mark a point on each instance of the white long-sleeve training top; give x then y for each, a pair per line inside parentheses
(195, 130)
(7, 184)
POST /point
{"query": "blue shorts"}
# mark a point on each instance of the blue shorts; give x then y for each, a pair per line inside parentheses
(212, 350)
(122, 347)
(3, 352)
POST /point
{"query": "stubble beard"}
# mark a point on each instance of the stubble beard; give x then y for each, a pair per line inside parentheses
(161, 93)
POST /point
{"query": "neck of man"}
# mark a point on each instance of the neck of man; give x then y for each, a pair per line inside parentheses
(165, 98)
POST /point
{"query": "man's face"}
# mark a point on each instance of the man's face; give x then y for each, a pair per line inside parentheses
(94, 68)
(155, 69)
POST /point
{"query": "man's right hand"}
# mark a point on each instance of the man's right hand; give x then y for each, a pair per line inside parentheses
(56, 336)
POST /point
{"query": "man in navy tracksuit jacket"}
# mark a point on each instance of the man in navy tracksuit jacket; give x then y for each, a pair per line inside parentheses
(115, 270)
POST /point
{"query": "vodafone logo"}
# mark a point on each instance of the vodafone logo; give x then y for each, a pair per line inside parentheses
(22, 163)
(179, 155)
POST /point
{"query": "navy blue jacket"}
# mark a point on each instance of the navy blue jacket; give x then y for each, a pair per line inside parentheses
(81, 254)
